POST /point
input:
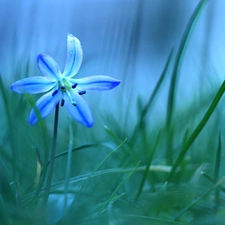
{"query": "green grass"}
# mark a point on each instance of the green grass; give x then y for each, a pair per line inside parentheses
(168, 172)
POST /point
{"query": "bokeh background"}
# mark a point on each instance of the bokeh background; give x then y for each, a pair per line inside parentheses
(129, 40)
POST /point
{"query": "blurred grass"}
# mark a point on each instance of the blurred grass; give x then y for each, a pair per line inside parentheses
(117, 174)
(175, 74)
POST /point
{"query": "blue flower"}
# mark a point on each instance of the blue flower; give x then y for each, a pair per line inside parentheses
(61, 87)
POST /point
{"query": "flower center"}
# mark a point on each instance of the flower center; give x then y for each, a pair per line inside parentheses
(64, 85)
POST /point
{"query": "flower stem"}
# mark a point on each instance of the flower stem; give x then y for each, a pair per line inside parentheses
(52, 159)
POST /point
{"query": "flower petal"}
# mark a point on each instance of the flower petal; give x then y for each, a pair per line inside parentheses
(96, 83)
(33, 85)
(46, 104)
(48, 67)
(74, 56)
(81, 112)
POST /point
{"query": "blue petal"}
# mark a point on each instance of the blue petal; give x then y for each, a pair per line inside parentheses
(74, 56)
(81, 112)
(48, 67)
(33, 85)
(46, 104)
(96, 83)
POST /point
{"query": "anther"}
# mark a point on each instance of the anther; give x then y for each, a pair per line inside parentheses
(62, 102)
(74, 86)
(63, 88)
(74, 103)
(55, 92)
(81, 92)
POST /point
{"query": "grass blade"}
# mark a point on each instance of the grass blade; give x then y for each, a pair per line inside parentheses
(174, 80)
(152, 97)
(75, 149)
(148, 166)
(197, 130)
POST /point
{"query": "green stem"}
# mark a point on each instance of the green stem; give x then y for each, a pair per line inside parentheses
(52, 159)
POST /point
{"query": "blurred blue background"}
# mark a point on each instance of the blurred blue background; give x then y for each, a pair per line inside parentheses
(126, 39)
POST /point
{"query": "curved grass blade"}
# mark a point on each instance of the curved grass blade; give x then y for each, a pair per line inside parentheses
(174, 80)
(75, 149)
(197, 130)
(152, 97)
(147, 169)
(84, 177)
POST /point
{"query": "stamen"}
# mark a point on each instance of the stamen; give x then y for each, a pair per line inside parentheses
(74, 86)
(63, 88)
(55, 92)
(71, 100)
(62, 102)
(81, 92)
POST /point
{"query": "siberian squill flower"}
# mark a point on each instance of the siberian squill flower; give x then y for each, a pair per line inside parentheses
(61, 87)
